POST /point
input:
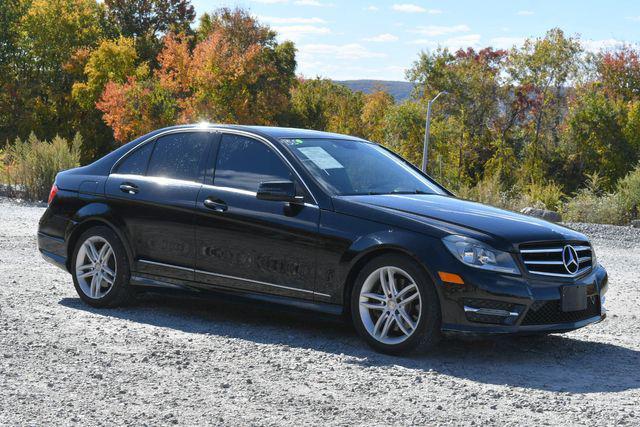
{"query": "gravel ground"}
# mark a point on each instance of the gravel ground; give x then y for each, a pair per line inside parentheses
(180, 361)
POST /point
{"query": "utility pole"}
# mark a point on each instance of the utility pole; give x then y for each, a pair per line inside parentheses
(427, 126)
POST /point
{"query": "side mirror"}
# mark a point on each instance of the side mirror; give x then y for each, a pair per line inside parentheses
(279, 191)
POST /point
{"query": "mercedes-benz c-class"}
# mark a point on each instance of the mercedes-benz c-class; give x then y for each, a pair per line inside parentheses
(318, 221)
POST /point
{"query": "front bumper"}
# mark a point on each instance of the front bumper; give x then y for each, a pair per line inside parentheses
(518, 304)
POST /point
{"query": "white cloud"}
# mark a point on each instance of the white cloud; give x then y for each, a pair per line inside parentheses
(634, 18)
(414, 8)
(603, 44)
(345, 70)
(345, 51)
(296, 32)
(507, 42)
(271, 1)
(294, 20)
(315, 3)
(386, 37)
(438, 30)
(524, 13)
(461, 42)
(452, 43)
(372, 8)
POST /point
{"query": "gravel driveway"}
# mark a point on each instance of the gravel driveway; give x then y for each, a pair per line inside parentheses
(186, 362)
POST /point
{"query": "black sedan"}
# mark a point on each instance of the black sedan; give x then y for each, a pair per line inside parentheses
(319, 221)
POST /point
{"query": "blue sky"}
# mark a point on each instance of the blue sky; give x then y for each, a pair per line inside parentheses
(381, 39)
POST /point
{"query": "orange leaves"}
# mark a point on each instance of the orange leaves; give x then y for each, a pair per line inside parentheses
(176, 63)
(237, 73)
(115, 107)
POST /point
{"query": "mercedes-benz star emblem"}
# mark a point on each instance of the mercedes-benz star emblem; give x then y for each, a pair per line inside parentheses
(570, 259)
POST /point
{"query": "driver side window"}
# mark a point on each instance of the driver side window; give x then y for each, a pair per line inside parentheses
(244, 163)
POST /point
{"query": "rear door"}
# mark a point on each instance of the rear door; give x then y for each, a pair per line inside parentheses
(154, 190)
(250, 244)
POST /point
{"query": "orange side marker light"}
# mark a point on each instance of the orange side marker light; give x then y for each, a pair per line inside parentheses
(450, 278)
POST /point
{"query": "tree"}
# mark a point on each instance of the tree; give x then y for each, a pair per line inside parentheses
(375, 108)
(51, 34)
(404, 130)
(137, 107)
(111, 61)
(544, 67)
(596, 139)
(619, 73)
(138, 18)
(225, 77)
(475, 101)
(146, 21)
(324, 105)
(11, 63)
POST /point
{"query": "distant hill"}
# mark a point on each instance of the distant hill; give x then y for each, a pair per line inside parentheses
(400, 91)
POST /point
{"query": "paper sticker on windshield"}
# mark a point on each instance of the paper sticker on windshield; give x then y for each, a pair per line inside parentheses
(321, 158)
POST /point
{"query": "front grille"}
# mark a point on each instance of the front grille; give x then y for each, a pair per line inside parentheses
(550, 312)
(547, 259)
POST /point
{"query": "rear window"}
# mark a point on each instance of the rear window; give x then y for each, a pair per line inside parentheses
(179, 156)
(136, 162)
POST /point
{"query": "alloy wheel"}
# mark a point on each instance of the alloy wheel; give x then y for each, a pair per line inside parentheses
(96, 267)
(390, 305)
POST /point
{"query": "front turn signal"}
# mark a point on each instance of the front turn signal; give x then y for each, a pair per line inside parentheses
(450, 278)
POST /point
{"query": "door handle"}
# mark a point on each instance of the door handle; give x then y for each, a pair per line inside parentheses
(216, 205)
(129, 188)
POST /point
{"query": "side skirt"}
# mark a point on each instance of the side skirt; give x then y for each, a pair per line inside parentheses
(154, 283)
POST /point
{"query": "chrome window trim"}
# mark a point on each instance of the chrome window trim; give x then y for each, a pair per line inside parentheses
(222, 130)
(193, 270)
(244, 192)
(157, 179)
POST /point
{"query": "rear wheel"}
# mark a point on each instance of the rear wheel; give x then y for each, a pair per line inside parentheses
(395, 307)
(100, 268)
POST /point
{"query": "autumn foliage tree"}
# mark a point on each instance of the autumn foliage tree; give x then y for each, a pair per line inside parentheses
(237, 73)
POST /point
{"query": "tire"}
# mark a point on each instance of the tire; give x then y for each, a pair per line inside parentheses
(113, 268)
(421, 309)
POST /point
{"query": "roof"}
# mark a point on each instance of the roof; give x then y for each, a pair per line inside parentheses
(272, 131)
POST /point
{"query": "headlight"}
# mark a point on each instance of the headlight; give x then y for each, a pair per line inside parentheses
(480, 255)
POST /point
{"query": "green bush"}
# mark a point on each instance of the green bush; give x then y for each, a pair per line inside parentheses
(491, 192)
(590, 205)
(548, 196)
(29, 167)
(628, 191)
(488, 191)
(586, 206)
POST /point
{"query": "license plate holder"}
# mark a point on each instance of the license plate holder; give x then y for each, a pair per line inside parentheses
(574, 298)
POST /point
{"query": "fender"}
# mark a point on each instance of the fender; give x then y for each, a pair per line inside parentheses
(415, 246)
(102, 213)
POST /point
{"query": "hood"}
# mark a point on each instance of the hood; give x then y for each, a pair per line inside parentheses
(508, 227)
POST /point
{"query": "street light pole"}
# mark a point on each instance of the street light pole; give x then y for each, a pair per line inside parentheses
(427, 126)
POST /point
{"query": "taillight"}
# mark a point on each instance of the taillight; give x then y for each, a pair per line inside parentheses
(52, 193)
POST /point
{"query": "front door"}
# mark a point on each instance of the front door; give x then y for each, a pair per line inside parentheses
(250, 244)
(154, 192)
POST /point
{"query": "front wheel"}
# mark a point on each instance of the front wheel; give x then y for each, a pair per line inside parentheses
(100, 268)
(395, 307)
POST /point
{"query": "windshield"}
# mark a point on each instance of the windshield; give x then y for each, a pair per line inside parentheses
(348, 167)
